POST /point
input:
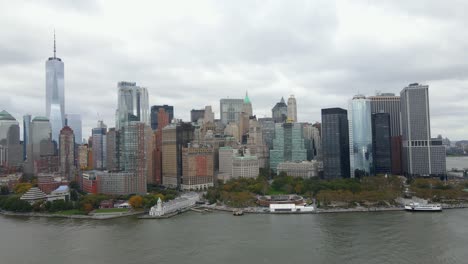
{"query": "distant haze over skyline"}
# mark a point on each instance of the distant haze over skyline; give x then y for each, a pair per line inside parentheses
(192, 53)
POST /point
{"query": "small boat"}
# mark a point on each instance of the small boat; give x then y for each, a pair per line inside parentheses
(238, 212)
(416, 207)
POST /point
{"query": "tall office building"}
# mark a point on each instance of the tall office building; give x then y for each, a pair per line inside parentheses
(174, 138)
(280, 112)
(168, 109)
(422, 156)
(112, 150)
(268, 131)
(335, 143)
(26, 125)
(10, 148)
(311, 140)
(288, 144)
(40, 142)
(196, 114)
(134, 149)
(55, 94)
(360, 137)
(292, 109)
(245, 115)
(74, 122)
(209, 115)
(67, 153)
(198, 167)
(163, 121)
(132, 104)
(381, 143)
(389, 103)
(99, 146)
(230, 110)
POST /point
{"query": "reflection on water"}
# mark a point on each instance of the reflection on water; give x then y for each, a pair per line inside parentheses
(391, 237)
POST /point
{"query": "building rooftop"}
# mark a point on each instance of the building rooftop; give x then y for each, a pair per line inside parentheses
(4, 115)
(40, 118)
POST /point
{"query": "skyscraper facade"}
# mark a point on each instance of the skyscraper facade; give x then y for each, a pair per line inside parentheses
(55, 94)
(335, 143)
(74, 122)
(288, 144)
(134, 152)
(292, 109)
(40, 143)
(168, 109)
(112, 150)
(230, 110)
(10, 149)
(132, 104)
(381, 143)
(360, 137)
(198, 167)
(99, 147)
(67, 153)
(174, 138)
(422, 156)
(280, 112)
(196, 114)
(26, 125)
(163, 121)
(389, 103)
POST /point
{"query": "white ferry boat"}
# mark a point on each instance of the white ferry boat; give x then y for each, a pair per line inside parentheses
(416, 207)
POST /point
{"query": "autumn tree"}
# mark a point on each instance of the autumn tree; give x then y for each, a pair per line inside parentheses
(136, 201)
(21, 188)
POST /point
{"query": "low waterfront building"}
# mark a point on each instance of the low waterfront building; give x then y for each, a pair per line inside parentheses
(290, 208)
(280, 199)
(61, 193)
(34, 195)
(180, 203)
(303, 169)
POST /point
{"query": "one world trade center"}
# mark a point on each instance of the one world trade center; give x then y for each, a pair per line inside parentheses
(55, 97)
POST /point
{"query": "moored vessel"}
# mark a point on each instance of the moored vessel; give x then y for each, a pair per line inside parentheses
(416, 207)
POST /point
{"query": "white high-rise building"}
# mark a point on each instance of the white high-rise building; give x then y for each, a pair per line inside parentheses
(292, 109)
(132, 104)
(55, 94)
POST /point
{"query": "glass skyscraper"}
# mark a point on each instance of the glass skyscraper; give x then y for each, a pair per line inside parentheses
(360, 137)
(381, 142)
(335, 143)
(55, 94)
(132, 104)
(288, 144)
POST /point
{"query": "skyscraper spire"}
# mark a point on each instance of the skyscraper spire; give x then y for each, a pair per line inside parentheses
(54, 45)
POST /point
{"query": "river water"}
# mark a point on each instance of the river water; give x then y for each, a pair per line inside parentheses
(457, 162)
(386, 237)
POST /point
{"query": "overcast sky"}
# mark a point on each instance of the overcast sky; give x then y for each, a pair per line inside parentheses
(192, 53)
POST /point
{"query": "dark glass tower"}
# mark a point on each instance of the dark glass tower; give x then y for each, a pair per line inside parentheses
(335, 143)
(154, 114)
(381, 143)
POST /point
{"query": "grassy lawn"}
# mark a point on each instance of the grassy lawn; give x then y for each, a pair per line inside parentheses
(71, 212)
(111, 210)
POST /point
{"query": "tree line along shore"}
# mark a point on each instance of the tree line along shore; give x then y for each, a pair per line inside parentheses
(367, 192)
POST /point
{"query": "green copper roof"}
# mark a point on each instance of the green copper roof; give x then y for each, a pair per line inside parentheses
(40, 118)
(4, 115)
(246, 99)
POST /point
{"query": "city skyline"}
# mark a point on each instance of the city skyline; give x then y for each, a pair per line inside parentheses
(189, 71)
